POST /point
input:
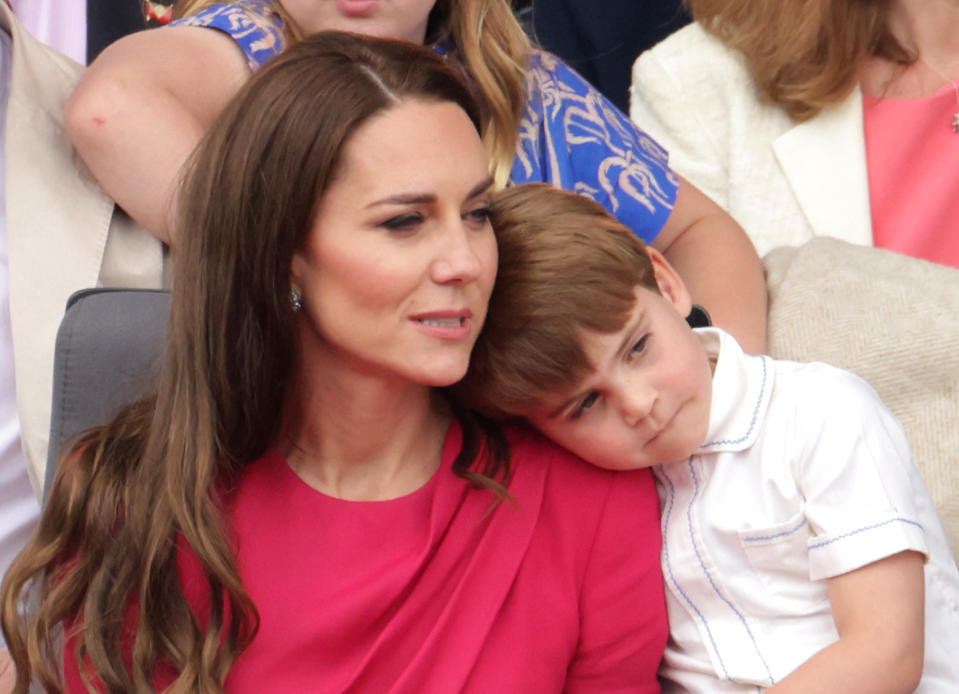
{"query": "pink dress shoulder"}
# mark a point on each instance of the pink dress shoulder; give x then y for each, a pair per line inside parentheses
(560, 591)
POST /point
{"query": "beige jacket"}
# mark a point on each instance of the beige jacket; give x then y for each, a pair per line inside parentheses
(62, 232)
(784, 182)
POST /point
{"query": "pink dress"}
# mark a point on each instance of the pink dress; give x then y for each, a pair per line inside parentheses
(431, 593)
(913, 161)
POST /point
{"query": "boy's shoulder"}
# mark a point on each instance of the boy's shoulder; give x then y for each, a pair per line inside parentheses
(823, 388)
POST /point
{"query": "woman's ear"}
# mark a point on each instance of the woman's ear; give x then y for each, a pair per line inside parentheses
(671, 286)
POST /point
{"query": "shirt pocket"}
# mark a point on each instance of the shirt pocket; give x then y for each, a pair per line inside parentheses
(779, 555)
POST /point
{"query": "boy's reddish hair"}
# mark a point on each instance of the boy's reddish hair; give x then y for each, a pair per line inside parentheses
(565, 265)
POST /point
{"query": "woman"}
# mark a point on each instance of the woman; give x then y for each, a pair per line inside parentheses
(816, 118)
(146, 100)
(302, 462)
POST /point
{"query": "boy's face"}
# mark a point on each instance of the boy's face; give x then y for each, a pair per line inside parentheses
(647, 398)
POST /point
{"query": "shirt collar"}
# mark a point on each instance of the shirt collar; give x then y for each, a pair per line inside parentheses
(742, 384)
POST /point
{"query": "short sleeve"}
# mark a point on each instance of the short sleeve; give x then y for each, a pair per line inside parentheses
(862, 493)
(574, 138)
(623, 625)
(253, 24)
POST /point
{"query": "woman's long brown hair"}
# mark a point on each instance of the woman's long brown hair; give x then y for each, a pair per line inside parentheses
(132, 492)
(804, 55)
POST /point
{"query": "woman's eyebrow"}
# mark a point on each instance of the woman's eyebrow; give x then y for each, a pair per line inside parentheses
(405, 199)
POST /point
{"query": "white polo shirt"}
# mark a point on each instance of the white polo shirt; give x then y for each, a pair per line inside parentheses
(805, 475)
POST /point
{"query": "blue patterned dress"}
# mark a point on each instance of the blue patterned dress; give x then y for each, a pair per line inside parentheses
(570, 135)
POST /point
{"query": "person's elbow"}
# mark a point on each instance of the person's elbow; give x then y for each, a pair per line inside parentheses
(95, 112)
(906, 666)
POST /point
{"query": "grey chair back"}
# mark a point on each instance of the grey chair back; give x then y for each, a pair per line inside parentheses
(108, 347)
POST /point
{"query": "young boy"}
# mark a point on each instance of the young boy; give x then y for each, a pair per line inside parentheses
(801, 550)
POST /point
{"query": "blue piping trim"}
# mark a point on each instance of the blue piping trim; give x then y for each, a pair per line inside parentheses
(672, 577)
(755, 417)
(712, 583)
(785, 533)
(864, 529)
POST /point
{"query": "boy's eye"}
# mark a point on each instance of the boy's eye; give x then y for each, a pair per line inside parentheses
(403, 222)
(584, 405)
(639, 347)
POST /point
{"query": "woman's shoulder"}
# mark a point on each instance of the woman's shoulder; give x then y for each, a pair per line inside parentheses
(692, 46)
(692, 58)
(571, 480)
(548, 74)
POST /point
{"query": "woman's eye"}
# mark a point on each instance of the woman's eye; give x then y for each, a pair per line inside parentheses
(584, 405)
(480, 215)
(639, 346)
(403, 222)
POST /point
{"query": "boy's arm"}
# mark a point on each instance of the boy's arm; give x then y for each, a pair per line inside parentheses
(879, 613)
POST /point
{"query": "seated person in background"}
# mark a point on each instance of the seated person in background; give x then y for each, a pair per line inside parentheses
(135, 121)
(843, 124)
(302, 505)
(801, 550)
(601, 42)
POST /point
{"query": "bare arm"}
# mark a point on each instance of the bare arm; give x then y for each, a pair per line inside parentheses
(141, 107)
(719, 265)
(7, 674)
(879, 613)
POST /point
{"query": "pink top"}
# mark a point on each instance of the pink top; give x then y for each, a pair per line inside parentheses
(560, 592)
(913, 160)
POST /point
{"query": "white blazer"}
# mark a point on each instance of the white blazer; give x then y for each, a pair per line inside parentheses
(62, 232)
(784, 182)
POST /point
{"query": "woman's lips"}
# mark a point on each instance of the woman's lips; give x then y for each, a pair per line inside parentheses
(356, 8)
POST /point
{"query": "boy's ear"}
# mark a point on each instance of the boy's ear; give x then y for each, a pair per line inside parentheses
(671, 286)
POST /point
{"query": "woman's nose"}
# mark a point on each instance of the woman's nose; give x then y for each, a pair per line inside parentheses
(457, 260)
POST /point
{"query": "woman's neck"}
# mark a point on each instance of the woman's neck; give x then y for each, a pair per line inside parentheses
(930, 29)
(363, 437)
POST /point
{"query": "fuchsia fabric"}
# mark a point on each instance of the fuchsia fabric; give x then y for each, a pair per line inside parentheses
(912, 154)
(432, 592)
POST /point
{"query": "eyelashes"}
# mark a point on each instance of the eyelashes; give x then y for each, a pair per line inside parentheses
(403, 222)
(584, 405)
(639, 346)
(479, 216)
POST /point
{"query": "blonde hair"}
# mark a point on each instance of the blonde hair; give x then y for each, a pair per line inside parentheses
(566, 266)
(803, 55)
(493, 49)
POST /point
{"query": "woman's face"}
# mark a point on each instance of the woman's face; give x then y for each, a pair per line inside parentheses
(398, 19)
(397, 269)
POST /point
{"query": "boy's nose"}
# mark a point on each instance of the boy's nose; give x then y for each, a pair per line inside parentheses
(636, 402)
